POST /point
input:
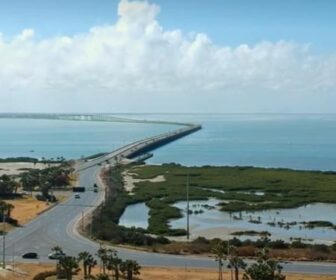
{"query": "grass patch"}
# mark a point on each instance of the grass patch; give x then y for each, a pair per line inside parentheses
(282, 188)
(239, 186)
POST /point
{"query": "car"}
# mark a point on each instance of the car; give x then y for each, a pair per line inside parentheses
(95, 190)
(30, 255)
(77, 195)
(56, 255)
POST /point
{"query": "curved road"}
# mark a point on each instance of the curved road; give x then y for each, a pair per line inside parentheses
(58, 227)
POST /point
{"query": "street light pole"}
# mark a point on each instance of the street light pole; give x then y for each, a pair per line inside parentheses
(3, 240)
(188, 231)
(82, 220)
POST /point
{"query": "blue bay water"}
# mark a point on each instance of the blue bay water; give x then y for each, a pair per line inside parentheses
(289, 141)
(292, 141)
(71, 139)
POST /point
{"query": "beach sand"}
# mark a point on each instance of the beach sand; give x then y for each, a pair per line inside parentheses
(130, 181)
(27, 272)
(14, 168)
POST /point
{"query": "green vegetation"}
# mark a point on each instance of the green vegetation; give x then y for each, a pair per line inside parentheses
(106, 217)
(46, 179)
(243, 188)
(33, 160)
(19, 159)
(111, 266)
(281, 188)
(313, 224)
(264, 269)
(159, 197)
(251, 233)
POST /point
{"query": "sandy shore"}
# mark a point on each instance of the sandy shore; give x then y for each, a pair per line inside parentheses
(14, 168)
(130, 181)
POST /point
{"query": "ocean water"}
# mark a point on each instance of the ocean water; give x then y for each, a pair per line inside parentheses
(290, 141)
(70, 139)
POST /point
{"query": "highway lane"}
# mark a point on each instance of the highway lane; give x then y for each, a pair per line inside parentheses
(58, 227)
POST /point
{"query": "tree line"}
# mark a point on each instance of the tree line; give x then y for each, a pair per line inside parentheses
(265, 268)
(111, 266)
(42, 180)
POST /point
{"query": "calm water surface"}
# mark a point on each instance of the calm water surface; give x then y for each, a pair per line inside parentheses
(135, 215)
(214, 219)
(71, 139)
(291, 141)
(215, 223)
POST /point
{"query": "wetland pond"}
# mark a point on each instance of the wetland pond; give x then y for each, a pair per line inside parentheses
(208, 221)
(135, 215)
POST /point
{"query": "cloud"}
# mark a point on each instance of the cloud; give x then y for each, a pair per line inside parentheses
(135, 64)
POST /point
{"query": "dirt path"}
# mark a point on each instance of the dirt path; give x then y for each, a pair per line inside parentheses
(27, 272)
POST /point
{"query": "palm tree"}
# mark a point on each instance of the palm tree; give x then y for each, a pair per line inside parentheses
(219, 250)
(9, 208)
(264, 269)
(68, 264)
(57, 249)
(130, 268)
(88, 263)
(102, 254)
(114, 264)
(236, 262)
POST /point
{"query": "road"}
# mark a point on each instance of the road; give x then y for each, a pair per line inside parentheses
(58, 227)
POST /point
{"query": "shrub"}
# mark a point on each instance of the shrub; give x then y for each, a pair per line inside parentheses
(201, 240)
(162, 240)
(321, 248)
(298, 244)
(43, 275)
(247, 251)
(278, 244)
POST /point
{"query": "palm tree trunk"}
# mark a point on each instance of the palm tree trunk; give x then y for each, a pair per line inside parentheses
(236, 273)
(89, 271)
(85, 270)
(220, 276)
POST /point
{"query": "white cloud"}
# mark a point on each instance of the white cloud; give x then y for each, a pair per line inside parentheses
(135, 64)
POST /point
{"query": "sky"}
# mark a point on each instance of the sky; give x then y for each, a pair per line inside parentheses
(218, 56)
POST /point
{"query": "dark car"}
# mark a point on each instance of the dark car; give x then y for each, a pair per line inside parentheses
(30, 255)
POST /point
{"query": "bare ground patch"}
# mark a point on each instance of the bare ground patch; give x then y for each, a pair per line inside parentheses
(27, 271)
(130, 181)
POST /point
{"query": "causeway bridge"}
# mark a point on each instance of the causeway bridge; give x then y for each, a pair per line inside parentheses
(140, 147)
(129, 151)
(86, 117)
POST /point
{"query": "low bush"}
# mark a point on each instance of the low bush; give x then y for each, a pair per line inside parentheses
(44, 275)
(298, 245)
(278, 244)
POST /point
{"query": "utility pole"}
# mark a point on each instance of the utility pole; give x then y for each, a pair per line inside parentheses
(188, 230)
(3, 240)
(82, 220)
(228, 253)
